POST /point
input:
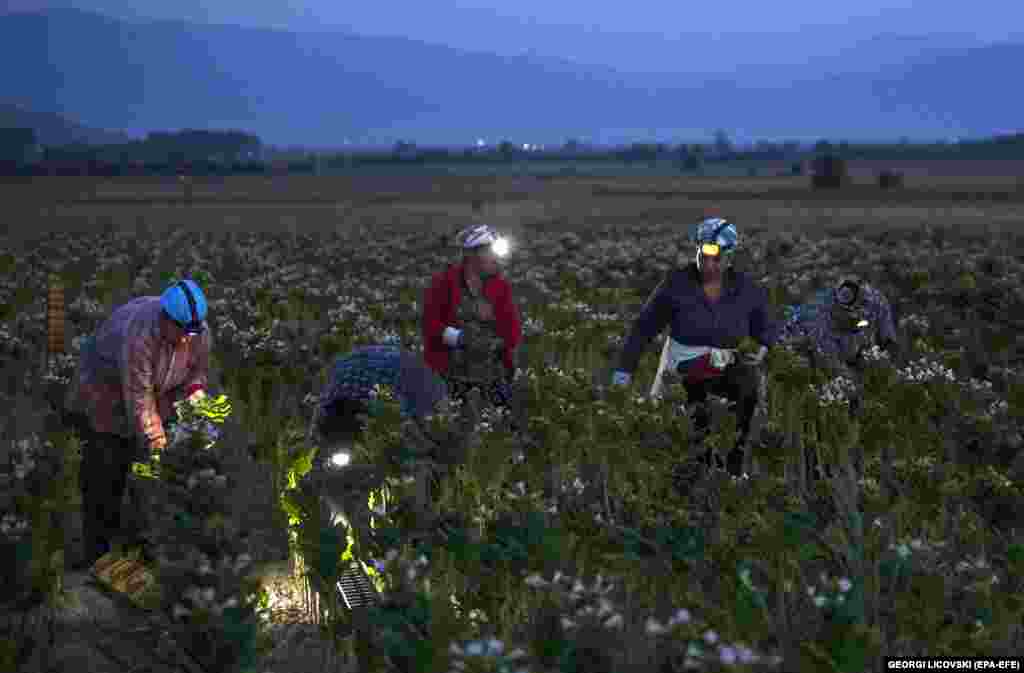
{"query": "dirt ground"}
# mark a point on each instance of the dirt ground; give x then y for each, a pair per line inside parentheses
(942, 196)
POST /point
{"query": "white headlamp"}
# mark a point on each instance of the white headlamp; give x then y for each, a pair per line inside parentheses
(500, 246)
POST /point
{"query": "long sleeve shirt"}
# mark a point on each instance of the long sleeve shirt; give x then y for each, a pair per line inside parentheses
(440, 302)
(129, 376)
(354, 376)
(680, 304)
(812, 321)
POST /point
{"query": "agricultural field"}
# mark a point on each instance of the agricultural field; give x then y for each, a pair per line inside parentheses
(583, 541)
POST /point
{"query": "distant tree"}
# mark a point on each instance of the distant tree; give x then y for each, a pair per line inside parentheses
(723, 146)
(829, 172)
(572, 145)
(889, 179)
(17, 144)
(404, 150)
(823, 146)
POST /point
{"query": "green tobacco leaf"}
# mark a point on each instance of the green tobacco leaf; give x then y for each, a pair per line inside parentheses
(686, 544)
(850, 653)
(1015, 554)
(797, 526)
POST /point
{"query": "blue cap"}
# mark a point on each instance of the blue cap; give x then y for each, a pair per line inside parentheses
(715, 230)
(185, 304)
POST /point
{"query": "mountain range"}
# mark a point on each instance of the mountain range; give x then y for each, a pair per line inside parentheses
(320, 88)
(53, 129)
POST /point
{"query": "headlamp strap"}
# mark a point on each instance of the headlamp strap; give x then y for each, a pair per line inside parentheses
(191, 303)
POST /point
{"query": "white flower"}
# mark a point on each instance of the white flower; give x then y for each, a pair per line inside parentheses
(653, 627)
(535, 581)
(614, 622)
(845, 585)
(710, 637)
(682, 616)
(475, 649)
(746, 655)
(727, 654)
(495, 647)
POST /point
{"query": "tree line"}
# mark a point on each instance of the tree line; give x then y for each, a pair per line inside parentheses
(207, 152)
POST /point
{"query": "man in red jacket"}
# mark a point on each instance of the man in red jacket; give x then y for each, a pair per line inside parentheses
(471, 326)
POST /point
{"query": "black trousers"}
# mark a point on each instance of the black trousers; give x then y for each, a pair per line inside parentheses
(103, 476)
(738, 383)
(496, 393)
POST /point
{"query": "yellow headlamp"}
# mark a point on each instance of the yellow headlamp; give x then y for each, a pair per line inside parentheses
(710, 249)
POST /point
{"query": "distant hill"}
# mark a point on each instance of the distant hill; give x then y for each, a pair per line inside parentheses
(319, 88)
(53, 129)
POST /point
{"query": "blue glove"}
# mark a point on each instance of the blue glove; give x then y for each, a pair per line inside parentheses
(621, 378)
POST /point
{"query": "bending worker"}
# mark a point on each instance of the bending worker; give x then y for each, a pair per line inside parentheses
(471, 325)
(151, 353)
(345, 405)
(708, 307)
(839, 323)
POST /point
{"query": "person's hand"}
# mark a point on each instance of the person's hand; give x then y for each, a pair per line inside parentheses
(621, 378)
(722, 357)
(452, 337)
(756, 358)
(155, 449)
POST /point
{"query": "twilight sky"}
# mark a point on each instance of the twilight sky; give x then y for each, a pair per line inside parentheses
(639, 35)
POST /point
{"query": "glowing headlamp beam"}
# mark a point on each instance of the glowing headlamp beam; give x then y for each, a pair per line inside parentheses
(500, 247)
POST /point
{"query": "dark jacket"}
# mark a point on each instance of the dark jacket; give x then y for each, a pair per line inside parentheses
(679, 303)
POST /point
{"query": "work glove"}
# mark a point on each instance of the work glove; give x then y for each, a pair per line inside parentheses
(722, 358)
(154, 450)
(621, 378)
(452, 337)
(756, 358)
(191, 400)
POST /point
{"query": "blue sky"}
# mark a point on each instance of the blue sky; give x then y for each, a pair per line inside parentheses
(639, 35)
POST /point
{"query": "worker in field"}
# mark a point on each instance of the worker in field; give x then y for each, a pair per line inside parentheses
(345, 405)
(348, 401)
(708, 307)
(471, 325)
(150, 354)
(838, 324)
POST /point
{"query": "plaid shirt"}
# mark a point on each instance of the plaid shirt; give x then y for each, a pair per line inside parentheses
(129, 377)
